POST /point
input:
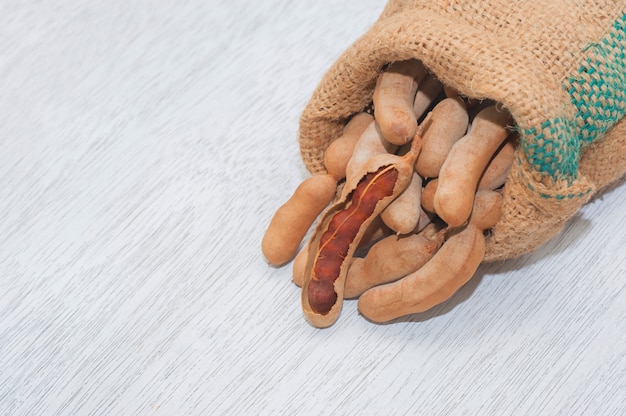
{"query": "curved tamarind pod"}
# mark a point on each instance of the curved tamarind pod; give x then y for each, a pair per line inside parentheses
(428, 195)
(403, 214)
(447, 271)
(449, 124)
(487, 209)
(294, 218)
(340, 150)
(499, 166)
(393, 99)
(466, 162)
(370, 143)
(390, 259)
(342, 226)
(427, 92)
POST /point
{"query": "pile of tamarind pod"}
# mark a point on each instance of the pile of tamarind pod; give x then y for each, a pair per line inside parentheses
(411, 190)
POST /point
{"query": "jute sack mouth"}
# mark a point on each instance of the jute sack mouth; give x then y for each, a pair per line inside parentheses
(558, 67)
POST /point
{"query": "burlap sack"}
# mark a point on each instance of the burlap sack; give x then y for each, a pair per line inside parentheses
(558, 66)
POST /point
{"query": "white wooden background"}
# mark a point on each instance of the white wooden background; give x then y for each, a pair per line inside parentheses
(144, 146)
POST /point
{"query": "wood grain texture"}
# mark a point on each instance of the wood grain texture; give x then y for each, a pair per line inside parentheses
(144, 147)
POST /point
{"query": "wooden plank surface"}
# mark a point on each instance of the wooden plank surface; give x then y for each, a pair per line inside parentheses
(144, 147)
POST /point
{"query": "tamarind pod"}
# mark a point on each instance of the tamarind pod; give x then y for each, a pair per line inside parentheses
(472, 105)
(487, 209)
(449, 124)
(427, 92)
(299, 265)
(342, 226)
(447, 271)
(375, 230)
(333, 246)
(428, 195)
(403, 213)
(451, 92)
(393, 99)
(468, 158)
(370, 143)
(388, 260)
(340, 150)
(425, 219)
(499, 166)
(293, 219)
(431, 231)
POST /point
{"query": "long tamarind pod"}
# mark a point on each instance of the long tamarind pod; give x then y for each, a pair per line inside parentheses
(427, 92)
(499, 166)
(447, 271)
(449, 124)
(390, 259)
(403, 214)
(370, 143)
(487, 209)
(293, 219)
(466, 162)
(428, 195)
(340, 229)
(340, 150)
(393, 99)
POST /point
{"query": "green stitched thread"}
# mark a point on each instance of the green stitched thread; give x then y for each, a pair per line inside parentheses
(559, 197)
(598, 92)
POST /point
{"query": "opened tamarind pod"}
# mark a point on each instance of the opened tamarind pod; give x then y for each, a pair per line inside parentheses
(293, 219)
(370, 144)
(390, 259)
(468, 158)
(447, 271)
(487, 209)
(427, 91)
(342, 226)
(376, 230)
(403, 214)
(393, 99)
(499, 166)
(449, 124)
(428, 195)
(340, 150)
